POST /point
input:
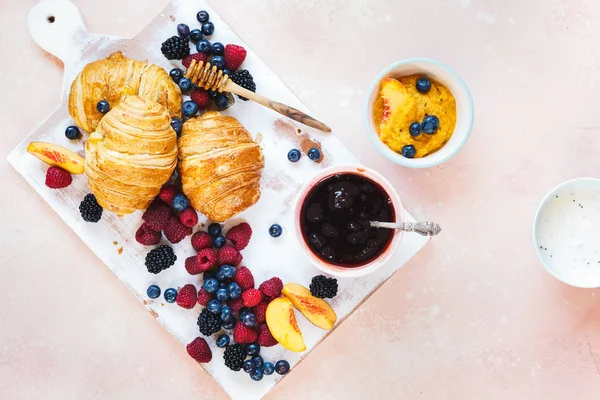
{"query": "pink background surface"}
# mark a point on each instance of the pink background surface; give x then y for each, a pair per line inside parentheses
(474, 315)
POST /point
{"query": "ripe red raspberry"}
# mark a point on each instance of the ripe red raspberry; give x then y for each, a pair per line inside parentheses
(204, 297)
(187, 60)
(234, 56)
(188, 217)
(229, 255)
(207, 258)
(187, 296)
(198, 349)
(192, 265)
(58, 178)
(201, 240)
(244, 278)
(252, 297)
(157, 216)
(167, 193)
(260, 311)
(272, 287)
(240, 236)
(147, 236)
(265, 339)
(244, 334)
(236, 304)
(200, 97)
(175, 231)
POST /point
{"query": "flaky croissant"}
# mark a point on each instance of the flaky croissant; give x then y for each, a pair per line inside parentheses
(220, 165)
(114, 78)
(132, 153)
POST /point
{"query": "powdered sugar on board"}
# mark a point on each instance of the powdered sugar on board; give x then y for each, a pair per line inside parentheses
(280, 184)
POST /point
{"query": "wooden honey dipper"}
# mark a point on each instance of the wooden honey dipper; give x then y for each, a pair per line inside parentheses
(211, 78)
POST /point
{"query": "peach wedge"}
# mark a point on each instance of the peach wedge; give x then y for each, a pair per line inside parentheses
(58, 156)
(282, 324)
(314, 309)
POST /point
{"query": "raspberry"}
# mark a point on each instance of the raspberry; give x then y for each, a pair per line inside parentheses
(236, 304)
(201, 240)
(200, 97)
(198, 349)
(147, 236)
(272, 287)
(188, 217)
(234, 56)
(156, 217)
(175, 231)
(260, 311)
(204, 297)
(244, 334)
(265, 339)
(252, 297)
(187, 60)
(58, 178)
(244, 278)
(240, 236)
(207, 259)
(167, 193)
(228, 255)
(187, 296)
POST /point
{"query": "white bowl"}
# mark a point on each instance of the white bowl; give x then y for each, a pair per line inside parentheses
(447, 77)
(384, 256)
(566, 232)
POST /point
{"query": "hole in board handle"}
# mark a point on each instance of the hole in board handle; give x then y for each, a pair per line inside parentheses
(50, 19)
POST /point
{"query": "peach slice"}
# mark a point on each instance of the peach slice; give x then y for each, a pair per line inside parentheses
(283, 326)
(397, 101)
(314, 309)
(58, 156)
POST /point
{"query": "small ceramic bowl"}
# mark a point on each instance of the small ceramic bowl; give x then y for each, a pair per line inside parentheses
(388, 251)
(566, 232)
(447, 77)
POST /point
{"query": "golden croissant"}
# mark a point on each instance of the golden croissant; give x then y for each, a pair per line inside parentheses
(220, 165)
(114, 78)
(132, 153)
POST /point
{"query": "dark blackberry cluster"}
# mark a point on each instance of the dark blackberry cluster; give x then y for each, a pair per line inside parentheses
(234, 357)
(175, 48)
(323, 287)
(90, 209)
(160, 258)
(243, 78)
(209, 323)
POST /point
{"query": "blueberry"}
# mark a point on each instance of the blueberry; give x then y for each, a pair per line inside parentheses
(170, 295)
(226, 71)
(243, 312)
(235, 290)
(176, 74)
(409, 151)
(72, 132)
(314, 154)
(228, 322)
(214, 306)
(208, 28)
(275, 230)
(268, 368)
(257, 375)
(213, 94)
(217, 48)
(153, 291)
(248, 366)
(202, 16)
(228, 270)
(183, 30)
(214, 229)
(222, 284)
(249, 319)
(195, 35)
(218, 61)
(282, 367)
(220, 276)
(180, 202)
(222, 340)
(257, 361)
(189, 108)
(226, 312)
(176, 125)
(222, 294)
(222, 102)
(415, 129)
(210, 285)
(185, 84)
(209, 275)
(423, 85)
(430, 124)
(253, 349)
(103, 106)
(203, 46)
(294, 155)
(219, 241)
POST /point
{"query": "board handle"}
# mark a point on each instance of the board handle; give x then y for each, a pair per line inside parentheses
(56, 26)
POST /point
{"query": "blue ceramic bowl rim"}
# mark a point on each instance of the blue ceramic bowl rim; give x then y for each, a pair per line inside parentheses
(398, 158)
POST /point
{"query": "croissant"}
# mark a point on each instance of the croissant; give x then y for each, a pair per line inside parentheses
(114, 78)
(132, 153)
(220, 165)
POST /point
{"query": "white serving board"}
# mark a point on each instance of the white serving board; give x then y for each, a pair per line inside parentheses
(68, 39)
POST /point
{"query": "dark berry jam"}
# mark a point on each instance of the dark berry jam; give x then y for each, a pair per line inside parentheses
(336, 215)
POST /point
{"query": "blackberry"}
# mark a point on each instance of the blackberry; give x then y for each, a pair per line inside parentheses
(90, 209)
(209, 323)
(234, 357)
(175, 48)
(243, 78)
(160, 259)
(323, 287)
